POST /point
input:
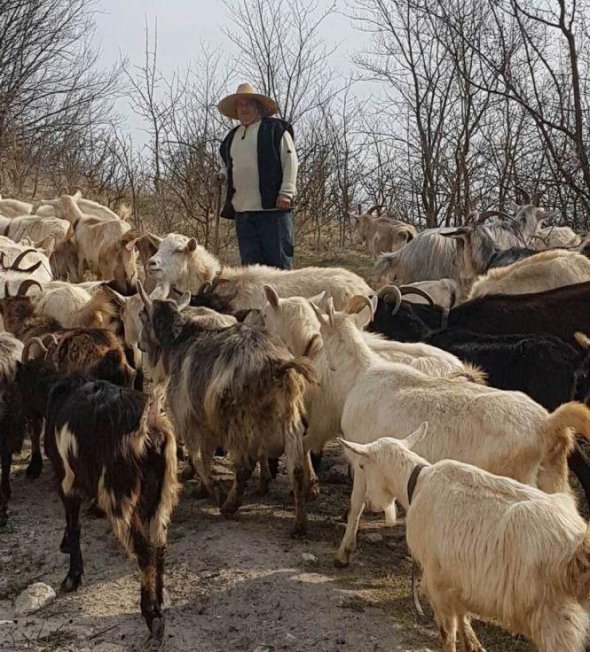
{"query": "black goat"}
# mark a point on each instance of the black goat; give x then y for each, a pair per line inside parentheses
(561, 312)
(521, 363)
(115, 445)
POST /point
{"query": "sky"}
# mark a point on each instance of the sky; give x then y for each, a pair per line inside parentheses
(183, 25)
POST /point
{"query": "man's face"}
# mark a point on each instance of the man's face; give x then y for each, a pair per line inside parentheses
(248, 110)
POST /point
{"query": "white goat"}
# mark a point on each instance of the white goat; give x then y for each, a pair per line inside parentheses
(74, 306)
(503, 432)
(543, 271)
(488, 546)
(295, 322)
(19, 262)
(555, 236)
(14, 207)
(181, 262)
(106, 248)
(34, 227)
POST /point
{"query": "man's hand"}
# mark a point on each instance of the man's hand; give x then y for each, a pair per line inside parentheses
(283, 203)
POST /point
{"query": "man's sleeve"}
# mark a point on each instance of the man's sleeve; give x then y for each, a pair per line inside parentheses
(290, 165)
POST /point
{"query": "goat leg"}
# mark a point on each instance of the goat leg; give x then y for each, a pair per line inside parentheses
(236, 494)
(73, 579)
(468, 637)
(265, 476)
(150, 561)
(5, 492)
(296, 467)
(36, 464)
(357, 505)
(580, 466)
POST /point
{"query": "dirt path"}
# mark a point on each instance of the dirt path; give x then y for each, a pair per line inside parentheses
(231, 585)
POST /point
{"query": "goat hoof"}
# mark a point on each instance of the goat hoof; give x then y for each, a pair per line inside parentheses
(341, 562)
(313, 491)
(299, 530)
(71, 583)
(34, 470)
(157, 628)
(229, 510)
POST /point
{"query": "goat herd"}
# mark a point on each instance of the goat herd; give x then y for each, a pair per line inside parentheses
(457, 391)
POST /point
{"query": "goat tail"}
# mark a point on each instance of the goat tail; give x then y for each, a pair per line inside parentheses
(302, 366)
(567, 416)
(96, 313)
(559, 442)
(471, 373)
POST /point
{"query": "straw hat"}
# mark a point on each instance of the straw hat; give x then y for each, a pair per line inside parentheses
(227, 106)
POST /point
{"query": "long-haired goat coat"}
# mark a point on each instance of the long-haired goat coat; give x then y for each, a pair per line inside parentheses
(489, 546)
(236, 387)
(115, 445)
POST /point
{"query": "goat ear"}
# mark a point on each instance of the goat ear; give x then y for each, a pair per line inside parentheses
(130, 246)
(318, 299)
(271, 296)
(319, 314)
(119, 299)
(184, 301)
(191, 245)
(47, 245)
(357, 449)
(330, 310)
(148, 244)
(413, 438)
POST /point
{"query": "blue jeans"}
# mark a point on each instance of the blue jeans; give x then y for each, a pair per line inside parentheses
(266, 238)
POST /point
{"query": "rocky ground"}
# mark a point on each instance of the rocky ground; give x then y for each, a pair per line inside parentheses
(232, 585)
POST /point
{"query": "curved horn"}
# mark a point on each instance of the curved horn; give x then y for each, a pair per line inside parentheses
(472, 217)
(25, 285)
(486, 214)
(377, 207)
(29, 345)
(7, 294)
(15, 265)
(408, 289)
(391, 290)
(355, 304)
(2, 259)
(144, 296)
(206, 288)
(176, 291)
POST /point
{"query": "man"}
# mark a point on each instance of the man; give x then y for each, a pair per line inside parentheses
(260, 167)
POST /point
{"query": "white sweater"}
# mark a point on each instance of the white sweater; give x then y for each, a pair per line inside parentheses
(244, 154)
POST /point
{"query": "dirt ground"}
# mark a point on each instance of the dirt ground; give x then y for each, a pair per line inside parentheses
(232, 585)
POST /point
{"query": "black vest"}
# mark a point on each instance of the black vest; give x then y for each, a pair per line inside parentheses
(270, 168)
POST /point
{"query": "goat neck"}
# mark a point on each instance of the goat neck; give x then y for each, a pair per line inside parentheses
(347, 354)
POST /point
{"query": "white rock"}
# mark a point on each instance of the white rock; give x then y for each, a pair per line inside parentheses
(34, 598)
(307, 556)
